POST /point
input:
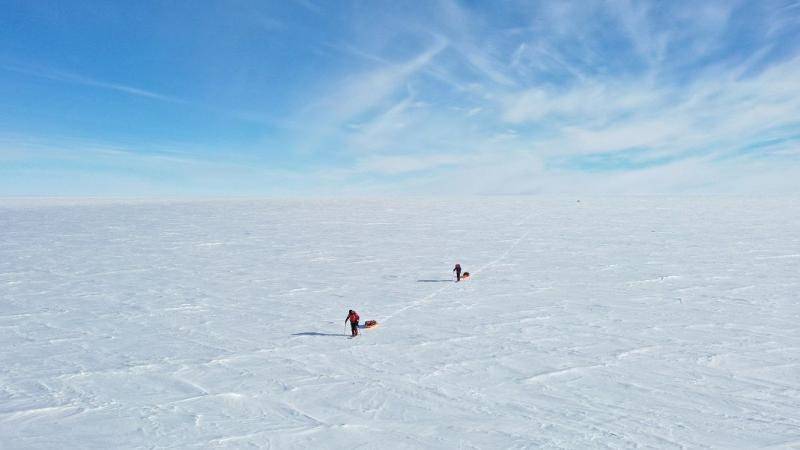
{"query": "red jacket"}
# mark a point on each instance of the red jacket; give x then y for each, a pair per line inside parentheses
(353, 317)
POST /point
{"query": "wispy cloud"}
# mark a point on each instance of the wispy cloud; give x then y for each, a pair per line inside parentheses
(67, 165)
(552, 99)
(357, 96)
(309, 5)
(363, 92)
(515, 97)
(67, 77)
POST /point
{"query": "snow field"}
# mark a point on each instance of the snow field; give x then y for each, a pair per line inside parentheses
(609, 323)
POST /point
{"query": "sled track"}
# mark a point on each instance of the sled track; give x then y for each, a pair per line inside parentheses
(508, 250)
(432, 295)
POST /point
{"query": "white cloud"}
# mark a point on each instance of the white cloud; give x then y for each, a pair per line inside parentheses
(401, 164)
(67, 77)
(488, 108)
(363, 92)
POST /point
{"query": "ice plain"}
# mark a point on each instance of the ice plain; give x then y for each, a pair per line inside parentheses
(656, 322)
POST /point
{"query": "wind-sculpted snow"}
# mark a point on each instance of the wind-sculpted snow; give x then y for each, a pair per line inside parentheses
(605, 323)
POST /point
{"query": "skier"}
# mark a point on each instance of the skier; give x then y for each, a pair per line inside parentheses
(457, 270)
(352, 316)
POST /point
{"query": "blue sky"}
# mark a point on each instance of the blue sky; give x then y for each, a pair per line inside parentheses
(332, 98)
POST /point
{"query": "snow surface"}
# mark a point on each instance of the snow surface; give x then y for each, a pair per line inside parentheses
(653, 322)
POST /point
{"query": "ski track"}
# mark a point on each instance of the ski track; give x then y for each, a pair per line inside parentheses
(613, 323)
(432, 295)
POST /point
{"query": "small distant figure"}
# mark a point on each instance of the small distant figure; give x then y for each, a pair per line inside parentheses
(457, 270)
(352, 316)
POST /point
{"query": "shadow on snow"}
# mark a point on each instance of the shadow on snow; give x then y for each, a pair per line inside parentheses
(314, 333)
(434, 281)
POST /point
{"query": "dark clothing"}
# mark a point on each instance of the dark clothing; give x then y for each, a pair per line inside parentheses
(354, 328)
(457, 270)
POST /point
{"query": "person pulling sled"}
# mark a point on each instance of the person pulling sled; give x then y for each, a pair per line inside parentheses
(352, 316)
(457, 270)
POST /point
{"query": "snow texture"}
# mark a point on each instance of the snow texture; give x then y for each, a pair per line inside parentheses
(606, 323)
